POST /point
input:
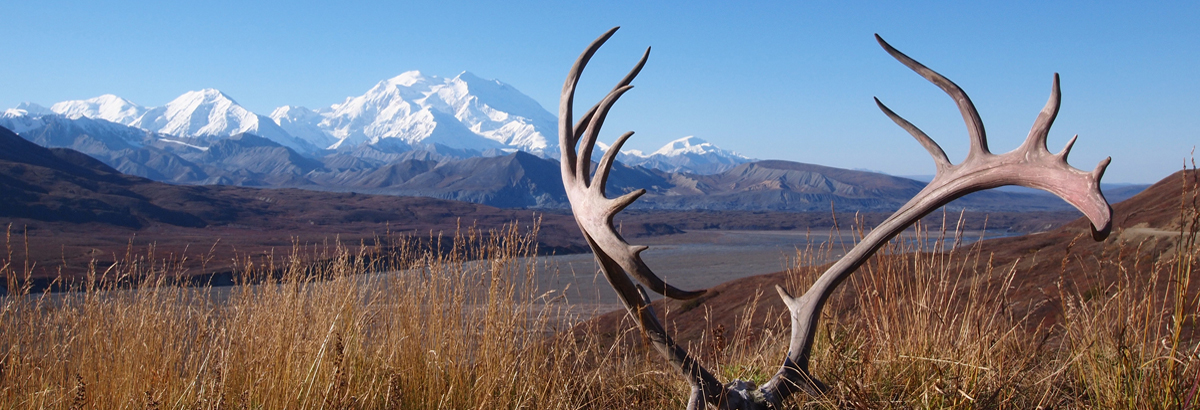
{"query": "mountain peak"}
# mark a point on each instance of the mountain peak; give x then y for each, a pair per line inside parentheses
(106, 107)
(687, 154)
(211, 114)
(689, 144)
(469, 77)
(206, 95)
(109, 99)
(292, 111)
(407, 79)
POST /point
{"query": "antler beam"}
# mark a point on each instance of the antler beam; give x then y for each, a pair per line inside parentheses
(1030, 165)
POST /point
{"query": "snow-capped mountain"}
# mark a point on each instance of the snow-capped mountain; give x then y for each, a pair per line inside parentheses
(27, 109)
(23, 118)
(211, 115)
(516, 179)
(106, 107)
(302, 123)
(94, 137)
(119, 146)
(687, 154)
(463, 116)
(206, 114)
(464, 112)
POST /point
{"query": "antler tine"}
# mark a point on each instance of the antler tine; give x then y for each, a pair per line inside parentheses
(1067, 148)
(593, 211)
(1099, 171)
(566, 132)
(588, 142)
(1041, 126)
(979, 144)
(935, 150)
(587, 116)
(1101, 231)
(600, 182)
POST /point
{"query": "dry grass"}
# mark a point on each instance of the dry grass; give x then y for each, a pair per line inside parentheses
(926, 324)
(467, 328)
(463, 328)
(933, 329)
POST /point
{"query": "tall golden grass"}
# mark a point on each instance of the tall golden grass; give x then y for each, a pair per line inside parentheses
(927, 324)
(465, 326)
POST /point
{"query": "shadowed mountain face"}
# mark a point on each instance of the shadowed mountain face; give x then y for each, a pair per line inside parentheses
(798, 187)
(517, 180)
(65, 185)
(783, 185)
(257, 161)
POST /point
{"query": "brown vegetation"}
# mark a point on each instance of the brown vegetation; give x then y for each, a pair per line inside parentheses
(1016, 323)
(1051, 319)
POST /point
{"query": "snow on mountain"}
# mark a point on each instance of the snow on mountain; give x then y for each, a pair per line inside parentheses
(498, 112)
(692, 145)
(23, 118)
(209, 114)
(302, 123)
(687, 154)
(464, 112)
(28, 108)
(95, 137)
(106, 107)
(206, 114)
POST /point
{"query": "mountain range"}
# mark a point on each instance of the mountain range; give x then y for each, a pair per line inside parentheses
(465, 113)
(461, 138)
(74, 212)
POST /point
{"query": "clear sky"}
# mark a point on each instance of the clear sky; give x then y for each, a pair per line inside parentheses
(771, 80)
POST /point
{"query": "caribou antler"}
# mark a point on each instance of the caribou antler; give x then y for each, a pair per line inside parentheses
(1030, 165)
(594, 213)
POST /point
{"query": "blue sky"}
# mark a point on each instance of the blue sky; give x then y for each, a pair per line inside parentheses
(772, 80)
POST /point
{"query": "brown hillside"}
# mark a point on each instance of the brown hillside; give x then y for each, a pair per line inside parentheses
(65, 211)
(1066, 259)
